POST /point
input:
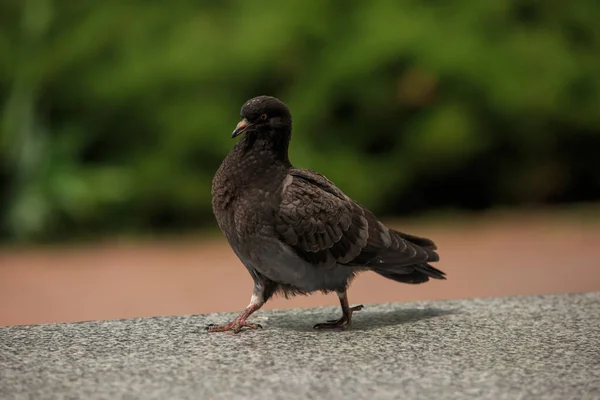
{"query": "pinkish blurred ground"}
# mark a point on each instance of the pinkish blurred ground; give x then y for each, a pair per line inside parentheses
(502, 255)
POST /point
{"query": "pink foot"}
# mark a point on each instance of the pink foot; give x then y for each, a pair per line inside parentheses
(235, 326)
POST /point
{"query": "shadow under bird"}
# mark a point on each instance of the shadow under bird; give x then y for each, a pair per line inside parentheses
(294, 230)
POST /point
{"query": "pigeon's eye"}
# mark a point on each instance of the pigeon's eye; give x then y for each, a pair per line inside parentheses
(263, 117)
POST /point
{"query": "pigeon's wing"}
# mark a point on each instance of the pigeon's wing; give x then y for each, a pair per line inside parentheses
(326, 227)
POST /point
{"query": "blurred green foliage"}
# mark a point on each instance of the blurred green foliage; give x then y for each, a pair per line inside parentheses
(115, 114)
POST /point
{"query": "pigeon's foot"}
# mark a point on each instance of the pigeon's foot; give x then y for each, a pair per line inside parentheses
(235, 326)
(240, 322)
(342, 323)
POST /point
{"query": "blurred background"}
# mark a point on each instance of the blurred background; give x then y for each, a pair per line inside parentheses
(474, 123)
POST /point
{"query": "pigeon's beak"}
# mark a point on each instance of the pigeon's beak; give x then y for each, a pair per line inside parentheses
(240, 128)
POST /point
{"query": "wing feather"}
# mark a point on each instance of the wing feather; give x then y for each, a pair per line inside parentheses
(325, 227)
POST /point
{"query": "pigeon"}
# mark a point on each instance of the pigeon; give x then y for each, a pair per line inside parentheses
(294, 230)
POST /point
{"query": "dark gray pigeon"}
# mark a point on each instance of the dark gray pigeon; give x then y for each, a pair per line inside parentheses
(294, 230)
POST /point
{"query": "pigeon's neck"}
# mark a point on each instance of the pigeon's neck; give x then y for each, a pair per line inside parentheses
(262, 150)
(258, 160)
(273, 144)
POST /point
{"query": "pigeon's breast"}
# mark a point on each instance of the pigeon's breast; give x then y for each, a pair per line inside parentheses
(253, 214)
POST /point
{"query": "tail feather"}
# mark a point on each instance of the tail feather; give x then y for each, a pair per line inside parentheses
(414, 274)
(431, 271)
(397, 255)
(423, 250)
(419, 241)
(417, 273)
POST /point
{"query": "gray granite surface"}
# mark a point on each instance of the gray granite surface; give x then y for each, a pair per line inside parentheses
(535, 347)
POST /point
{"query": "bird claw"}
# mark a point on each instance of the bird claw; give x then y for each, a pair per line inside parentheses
(234, 326)
(341, 323)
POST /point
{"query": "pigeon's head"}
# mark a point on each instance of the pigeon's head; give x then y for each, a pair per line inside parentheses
(264, 114)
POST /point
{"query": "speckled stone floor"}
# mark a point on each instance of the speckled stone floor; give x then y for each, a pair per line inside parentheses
(534, 347)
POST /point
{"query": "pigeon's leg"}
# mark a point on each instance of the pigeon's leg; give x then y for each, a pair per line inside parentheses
(256, 302)
(347, 311)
